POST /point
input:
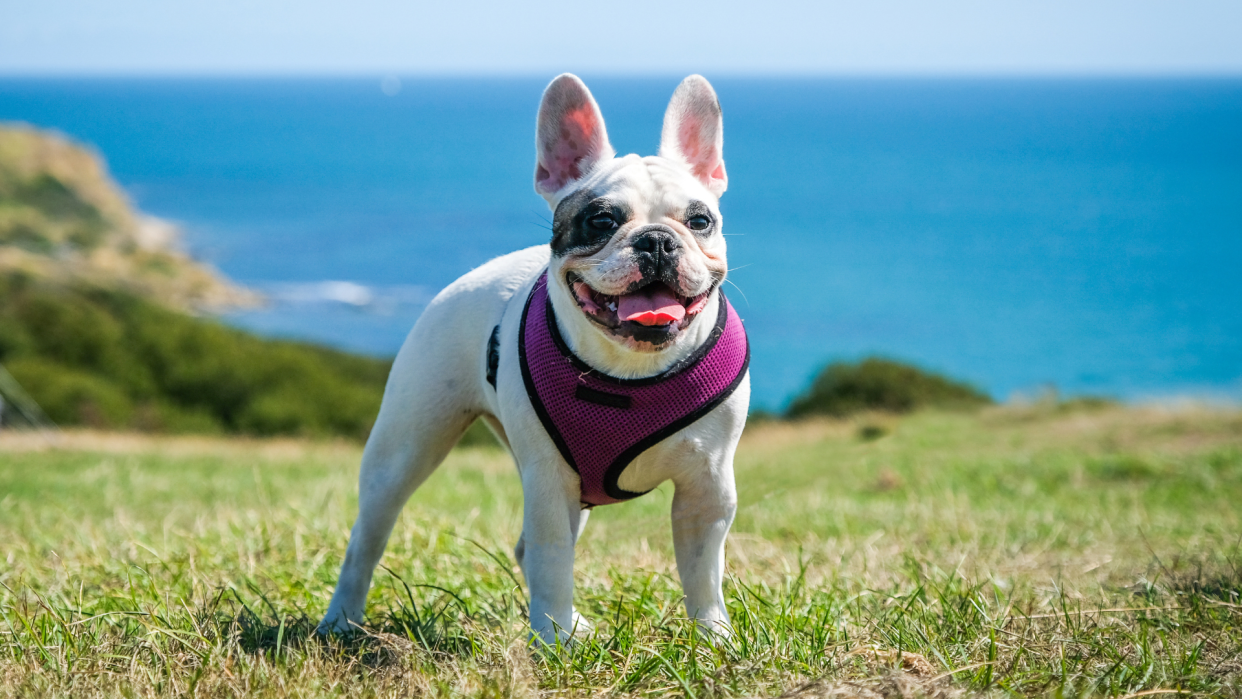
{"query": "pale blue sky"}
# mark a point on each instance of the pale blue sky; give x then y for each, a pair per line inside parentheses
(869, 37)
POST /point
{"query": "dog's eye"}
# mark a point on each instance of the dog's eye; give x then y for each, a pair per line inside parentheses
(602, 222)
(699, 223)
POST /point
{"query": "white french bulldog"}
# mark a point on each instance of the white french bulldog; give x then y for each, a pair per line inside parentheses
(633, 274)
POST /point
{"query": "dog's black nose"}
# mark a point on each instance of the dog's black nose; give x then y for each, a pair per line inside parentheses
(657, 243)
(657, 252)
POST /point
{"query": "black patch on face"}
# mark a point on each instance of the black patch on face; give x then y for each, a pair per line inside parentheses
(696, 209)
(575, 223)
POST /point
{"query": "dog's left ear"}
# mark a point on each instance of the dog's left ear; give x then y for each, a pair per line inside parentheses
(694, 133)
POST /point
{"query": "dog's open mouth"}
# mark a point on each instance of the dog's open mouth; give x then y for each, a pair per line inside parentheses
(653, 305)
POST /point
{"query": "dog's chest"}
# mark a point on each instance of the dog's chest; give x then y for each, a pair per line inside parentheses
(683, 456)
(601, 424)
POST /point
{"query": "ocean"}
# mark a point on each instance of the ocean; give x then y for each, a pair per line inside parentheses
(1021, 234)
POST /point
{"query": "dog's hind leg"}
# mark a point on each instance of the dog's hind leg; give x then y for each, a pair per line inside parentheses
(391, 471)
(429, 403)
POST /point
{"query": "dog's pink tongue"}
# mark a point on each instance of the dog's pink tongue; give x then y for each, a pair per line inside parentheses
(657, 307)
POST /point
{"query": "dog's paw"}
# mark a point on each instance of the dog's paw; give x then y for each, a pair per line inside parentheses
(554, 635)
(336, 624)
(583, 627)
(718, 633)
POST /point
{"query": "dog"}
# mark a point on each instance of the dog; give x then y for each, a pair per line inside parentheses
(607, 361)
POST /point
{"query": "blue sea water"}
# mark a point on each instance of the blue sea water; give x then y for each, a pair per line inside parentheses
(1085, 234)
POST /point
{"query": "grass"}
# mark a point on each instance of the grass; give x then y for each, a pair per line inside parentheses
(1026, 551)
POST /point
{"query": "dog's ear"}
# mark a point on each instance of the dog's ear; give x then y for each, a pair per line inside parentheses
(694, 133)
(570, 138)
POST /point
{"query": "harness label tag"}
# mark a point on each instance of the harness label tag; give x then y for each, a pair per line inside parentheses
(611, 400)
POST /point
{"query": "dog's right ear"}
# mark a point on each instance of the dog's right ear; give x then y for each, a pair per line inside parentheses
(570, 138)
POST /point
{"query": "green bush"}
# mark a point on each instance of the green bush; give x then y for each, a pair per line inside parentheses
(69, 329)
(1122, 467)
(280, 412)
(49, 195)
(160, 416)
(20, 234)
(844, 388)
(102, 358)
(70, 396)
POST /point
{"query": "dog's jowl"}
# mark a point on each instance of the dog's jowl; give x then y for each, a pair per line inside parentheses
(607, 360)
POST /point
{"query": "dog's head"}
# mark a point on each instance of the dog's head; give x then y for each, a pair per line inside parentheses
(636, 242)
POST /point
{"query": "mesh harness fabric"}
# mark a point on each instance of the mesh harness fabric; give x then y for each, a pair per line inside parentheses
(601, 423)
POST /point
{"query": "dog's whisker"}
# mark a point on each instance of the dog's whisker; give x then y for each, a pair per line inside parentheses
(739, 290)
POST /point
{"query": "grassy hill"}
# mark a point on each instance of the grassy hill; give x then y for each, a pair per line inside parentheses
(62, 218)
(1027, 551)
(99, 324)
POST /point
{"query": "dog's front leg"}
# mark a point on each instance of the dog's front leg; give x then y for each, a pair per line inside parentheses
(549, 531)
(703, 510)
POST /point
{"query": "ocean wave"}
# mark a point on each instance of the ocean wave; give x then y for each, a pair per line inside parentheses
(366, 298)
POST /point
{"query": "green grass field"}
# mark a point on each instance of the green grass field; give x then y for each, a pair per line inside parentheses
(1022, 550)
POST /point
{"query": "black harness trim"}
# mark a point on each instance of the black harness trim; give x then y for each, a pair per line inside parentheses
(493, 356)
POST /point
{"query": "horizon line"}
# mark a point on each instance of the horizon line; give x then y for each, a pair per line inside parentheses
(670, 74)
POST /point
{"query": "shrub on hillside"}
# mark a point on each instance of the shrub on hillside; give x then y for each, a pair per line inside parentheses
(107, 359)
(844, 388)
(72, 397)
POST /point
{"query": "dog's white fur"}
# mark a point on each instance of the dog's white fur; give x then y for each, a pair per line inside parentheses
(438, 382)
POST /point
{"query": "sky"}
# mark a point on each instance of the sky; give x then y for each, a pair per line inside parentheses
(864, 37)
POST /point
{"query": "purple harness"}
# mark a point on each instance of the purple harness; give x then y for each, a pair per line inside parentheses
(601, 423)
